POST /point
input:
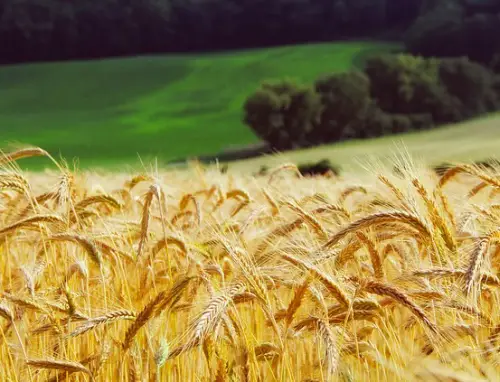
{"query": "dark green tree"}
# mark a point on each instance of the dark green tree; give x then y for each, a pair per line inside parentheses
(283, 114)
(346, 100)
(405, 84)
(495, 64)
(471, 83)
(454, 28)
(438, 31)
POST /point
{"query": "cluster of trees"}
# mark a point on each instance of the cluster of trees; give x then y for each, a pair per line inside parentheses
(59, 29)
(394, 93)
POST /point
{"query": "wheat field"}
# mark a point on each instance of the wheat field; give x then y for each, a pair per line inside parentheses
(203, 276)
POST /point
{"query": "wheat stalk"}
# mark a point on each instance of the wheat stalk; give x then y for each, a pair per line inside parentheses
(326, 279)
(84, 242)
(374, 255)
(377, 219)
(476, 258)
(130, 184)
(208, 319)
(51, 219)
(67, 366)
(27, 152)
(382, 289)
(106, 199)
(467, 169)
(332, 352)
(105, 319)
(153, 308)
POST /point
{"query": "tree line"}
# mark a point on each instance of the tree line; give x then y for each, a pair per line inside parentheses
(43, 30)
(33, 30)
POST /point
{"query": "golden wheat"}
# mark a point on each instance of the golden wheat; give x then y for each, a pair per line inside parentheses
(196, 275)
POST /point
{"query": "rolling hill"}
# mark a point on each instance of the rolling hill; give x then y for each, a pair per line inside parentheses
(109, 111)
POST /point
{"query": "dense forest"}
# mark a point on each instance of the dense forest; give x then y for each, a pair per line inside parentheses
(453, 28)
(34, 30)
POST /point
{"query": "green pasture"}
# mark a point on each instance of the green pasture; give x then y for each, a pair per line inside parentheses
(109, 111)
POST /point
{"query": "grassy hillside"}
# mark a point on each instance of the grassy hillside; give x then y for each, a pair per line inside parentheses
(469, 141)
(167, 106)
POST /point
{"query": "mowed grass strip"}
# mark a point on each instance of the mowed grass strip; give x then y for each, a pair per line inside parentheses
(468, 141)
(172, 106)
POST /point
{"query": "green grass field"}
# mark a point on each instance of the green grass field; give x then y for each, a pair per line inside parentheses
(109, 111)
(473, 140)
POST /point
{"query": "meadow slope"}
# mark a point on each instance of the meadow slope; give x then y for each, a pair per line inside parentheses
(166, 106)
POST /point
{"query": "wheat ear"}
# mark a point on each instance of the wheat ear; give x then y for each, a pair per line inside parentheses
(52, 219)
(326, 279)
(311, 220)
(376, 219)
(209, 318)
(141, 320)
(382, 289)
(138, 179)
(477, 189)
(467, 169)
(67, 366)
(332, 352)
(286, 166)
(374, 255)
(436, 218)
(107, 318)
(22, 153)
(297, 300)
(84, 242)
(476, 258)
(106, 199)
(153, 309)
(350, 190)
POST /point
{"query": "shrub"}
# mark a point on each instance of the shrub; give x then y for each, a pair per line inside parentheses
(346, 100)
(401, 123)
(376, 123)
(263, 170)
(471, 83)
(422, 121)
(398, 83)
(496, 86)
(495, 64)
(379, 123)
(322, 168)
(406, 84)
(283, 114)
